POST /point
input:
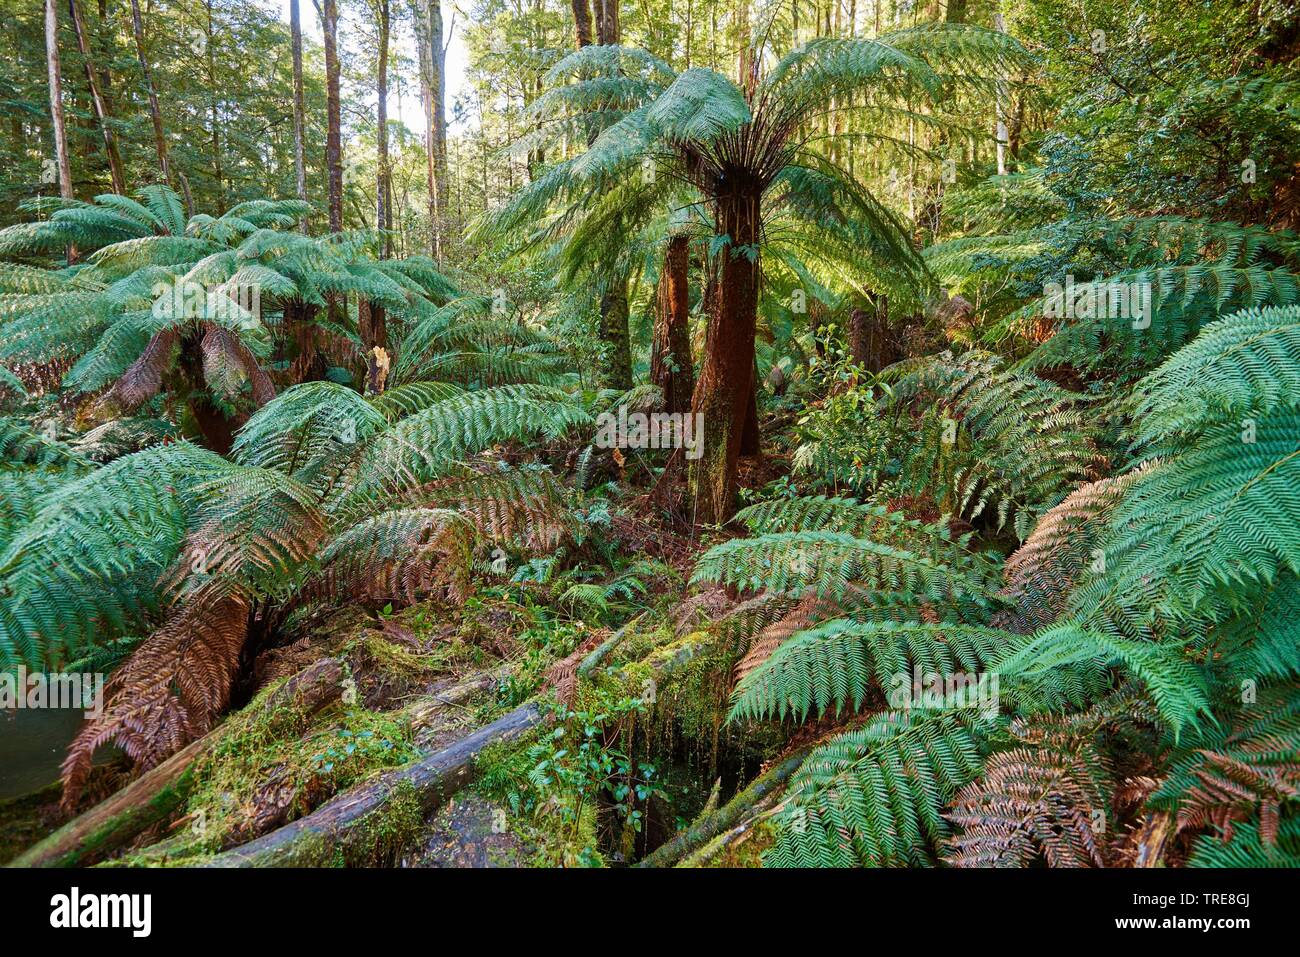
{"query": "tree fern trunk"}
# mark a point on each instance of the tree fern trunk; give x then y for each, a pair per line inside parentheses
(671, 367)
(726, 384)
(613, 333)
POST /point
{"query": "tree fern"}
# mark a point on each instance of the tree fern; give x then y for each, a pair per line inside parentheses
(874, 796)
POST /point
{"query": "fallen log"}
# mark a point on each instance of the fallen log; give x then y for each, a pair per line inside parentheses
(740, 806)
(371, 820)
(162, 790)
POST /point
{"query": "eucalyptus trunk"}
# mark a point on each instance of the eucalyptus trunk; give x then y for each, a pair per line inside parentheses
(299, 109)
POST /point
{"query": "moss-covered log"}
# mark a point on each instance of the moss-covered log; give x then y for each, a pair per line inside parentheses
(371, 820)
(163, 790)
(739, 807)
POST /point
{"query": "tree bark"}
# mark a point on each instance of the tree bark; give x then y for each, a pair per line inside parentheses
(162, 790)
(333, 132)
(299, 108)
(614, 334)
(726, 384)
(56, 98)
(671, 366)
(432, 56)
(608, 30)
(582, 22)
(383, 214)
(56, 107)
(308, 364)
(373, 327)
(97, 99)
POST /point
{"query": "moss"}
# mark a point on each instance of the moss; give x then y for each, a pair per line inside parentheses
(744, 851)
(275, 759)
(22, 821)
(381, 837)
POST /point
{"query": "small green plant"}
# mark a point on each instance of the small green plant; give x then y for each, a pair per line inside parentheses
(583, 763)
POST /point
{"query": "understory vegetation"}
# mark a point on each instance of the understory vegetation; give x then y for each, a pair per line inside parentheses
(975, 541)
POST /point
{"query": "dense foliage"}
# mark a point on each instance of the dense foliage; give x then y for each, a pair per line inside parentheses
(991, 552)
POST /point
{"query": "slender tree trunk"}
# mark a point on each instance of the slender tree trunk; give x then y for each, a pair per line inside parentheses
(334, 132)
(155, 114)
(382, 213)
(217, 170)
(582, 22)
(726, 384)
(56, 107)
(299, 110)
(613, 301)
(374, 331)
(1001, 108)
(56, 98)
(432, 56)
(97, 99)
(671, 368)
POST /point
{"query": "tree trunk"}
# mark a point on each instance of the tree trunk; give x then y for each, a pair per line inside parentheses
(299, 109)
(432, 56)
(56, 98)
(341, 826)
(333, 131)
(308, 364)
(671, 367)
(726, 384)
(608, 30)
(155, 113)
(383, 214)
(613, 333)
(371, 325)
(97, 100)
(582, 22)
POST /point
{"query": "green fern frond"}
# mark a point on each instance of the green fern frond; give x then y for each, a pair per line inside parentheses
(873, 796)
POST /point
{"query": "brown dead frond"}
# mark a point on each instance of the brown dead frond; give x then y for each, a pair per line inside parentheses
(168, 693)
(1031, 803)
(143, 377)
(1041, 573)
(810, 609)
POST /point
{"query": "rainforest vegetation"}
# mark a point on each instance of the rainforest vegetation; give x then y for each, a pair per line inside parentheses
(651, 433)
